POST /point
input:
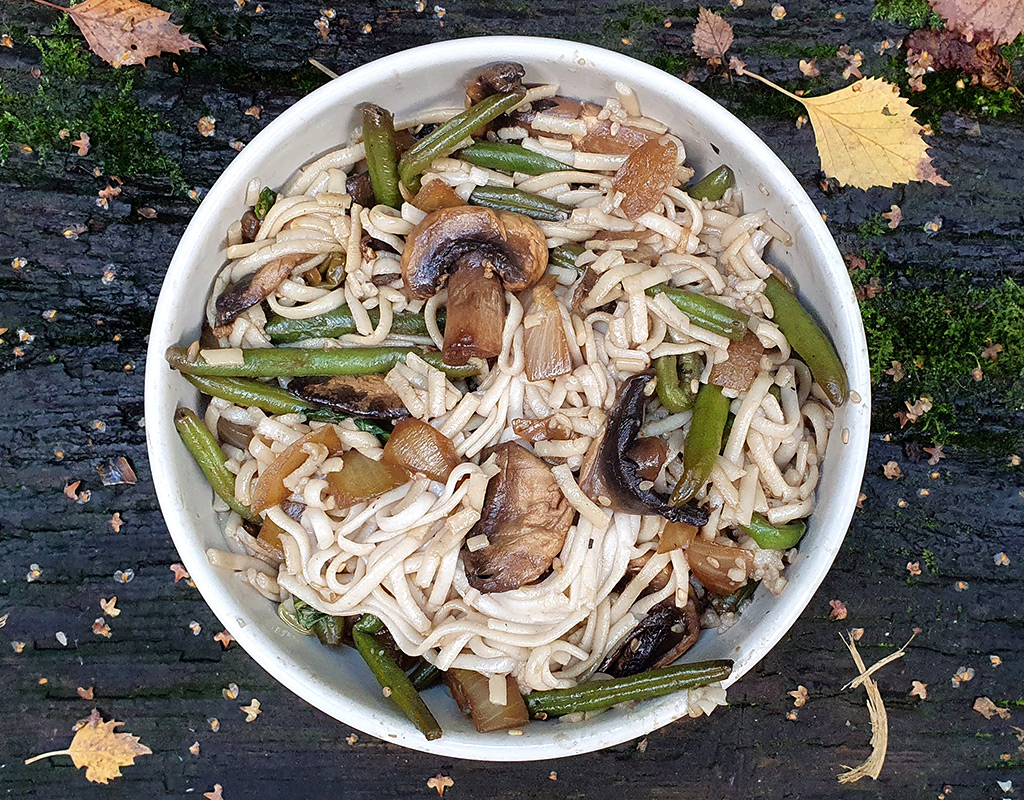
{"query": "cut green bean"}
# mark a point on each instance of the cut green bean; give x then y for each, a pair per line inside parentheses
(565, 256)
(705, 312)
(299, 362)
(530, 205)
(340, 321)
(444, 140)
(424, 675)
(713, 185)
(703, 442)
(381, 154)
(674, 391)
(597, 695)
(393, 680)
(510, 158)
(808, 339)
(207, 453)
(774, 537)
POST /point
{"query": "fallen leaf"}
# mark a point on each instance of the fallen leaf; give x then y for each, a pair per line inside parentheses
(110, 606)
(791, 716)
(215, 794)
(866, 135)
(71, 490)
(147, 213)
(992, 351)
(838, 611)
(933, 225)
(914, 568)
(1004, 19)
(441, 782)
(34, 573)
(252, 710)
(85, 694)
(736, 65)
(808, 68)
(856, 261)
(892, 470)
(179, 572)
(778, 11)
(194, 749)
(6, 41)
(853, 61)
(856, 634)
(896, 371)
(860, 499)
(995, 660)
(115, 522)
(230, 692)
(82, 143)
(254, 111)
(712, 36)
(100, 750)
(214, 724)
(935, 454)
(918, 689)
(799, 696)
(195, 627)
(101, 628)
(207, 126)
(125, 32)
(224, 638)
(979, 57)
(988, 709)
(1001, 560)
(963, 675)
(869, 290)
(894, 215)
(961, 586)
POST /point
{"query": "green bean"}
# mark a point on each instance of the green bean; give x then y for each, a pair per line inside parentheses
(299, 362)
(381, 154)
(446, 138)
(808, 339)
(596, 695)
(525, 203)
(565, 256)
(340, 321)
(389, 675)
(705, 312)
(424, 675)
(207, 453)
(713, 185)
(674, 392)
(774, 537)
(703, 442)
(329, 630)
(510, 158)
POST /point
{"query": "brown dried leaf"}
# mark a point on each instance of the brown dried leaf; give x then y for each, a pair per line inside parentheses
(179, 572)
(935, 454)
(981, 57)
(1004, 19)
(799, 696)
(82, 143)
(712, 37)
(128, 31)
(894, 215)
(100, 750)
(892, 470)
(439, 783)
(85, 694)
(224, 638)
(914, 568)
(988, 709)
(808, 68)
(838, 611)
(918, 689)
(992, 351)
(215, 794)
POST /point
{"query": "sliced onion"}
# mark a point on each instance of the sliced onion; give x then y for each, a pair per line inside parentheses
(270, 532)
(234, 434)
(362, 479)
(471, 691)
(270, 490)
(720, 568)
(418, 447)
(544, 344)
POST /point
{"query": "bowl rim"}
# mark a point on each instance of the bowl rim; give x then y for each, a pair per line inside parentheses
(160, 432)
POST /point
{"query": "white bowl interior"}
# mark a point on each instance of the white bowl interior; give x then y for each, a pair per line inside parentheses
(432, 76)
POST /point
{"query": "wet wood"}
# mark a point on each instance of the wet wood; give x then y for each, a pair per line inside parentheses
(74, 400)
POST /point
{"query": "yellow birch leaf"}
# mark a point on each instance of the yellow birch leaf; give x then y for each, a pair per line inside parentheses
(866, 135)
(100, 750)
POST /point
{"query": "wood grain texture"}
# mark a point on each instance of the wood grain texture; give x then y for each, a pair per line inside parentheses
(78, 391)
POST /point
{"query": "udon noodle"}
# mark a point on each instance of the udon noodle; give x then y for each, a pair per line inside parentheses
(401, 556)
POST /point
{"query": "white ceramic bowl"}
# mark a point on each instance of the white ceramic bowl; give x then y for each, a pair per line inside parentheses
(337, 682)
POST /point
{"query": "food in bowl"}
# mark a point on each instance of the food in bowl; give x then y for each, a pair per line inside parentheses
(530, 409)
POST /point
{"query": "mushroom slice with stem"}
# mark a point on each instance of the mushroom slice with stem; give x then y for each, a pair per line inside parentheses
(500, 78)
(484, 251)
(366, 396)
(253, 289)
(525, 518)
(659, 639)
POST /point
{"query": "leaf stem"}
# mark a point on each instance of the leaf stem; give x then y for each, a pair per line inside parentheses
(54, 752)
(51, 5)
(775, 86)
(329, 72)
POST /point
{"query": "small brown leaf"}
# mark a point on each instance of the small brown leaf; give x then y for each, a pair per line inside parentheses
(85, 694)
(101, 628)
(892, 470)
(856, 261)
(894, 215)
(179, 572)
(737, 65)
(918, 689)
(988, 709)
(254, 111)
(949, 49)
(935, 454)
(860, 499)
(100, 750)
(439, 783)
(128, 31)
(109, 607)
(712, 37)
(838, 611)
(82, 143)
(808, 68)
(224, 638)
(799, 696)
(914, 568)
(252, 710)
(71, 490)
(215, 794)
(115, 522)
(207, 126)
(896, 371)
(992, 351)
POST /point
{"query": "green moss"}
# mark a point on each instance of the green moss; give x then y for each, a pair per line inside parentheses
(930, 561)
(784, 49)
(915, 13)
(938, 334)
(871, 227)
(62, 54)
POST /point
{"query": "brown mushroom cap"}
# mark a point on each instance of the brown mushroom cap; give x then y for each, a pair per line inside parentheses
(512, 244)
(498, 78)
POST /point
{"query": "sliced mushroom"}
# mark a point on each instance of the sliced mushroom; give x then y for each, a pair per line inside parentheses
(525, 518)
(485, 251)
(253, 289)
(498, 78)
(612, 473)
(740, 368)
(359, 395)
(250, 225)
(661, 637)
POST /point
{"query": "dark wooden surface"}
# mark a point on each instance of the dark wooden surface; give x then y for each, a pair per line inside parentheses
(74, 400)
